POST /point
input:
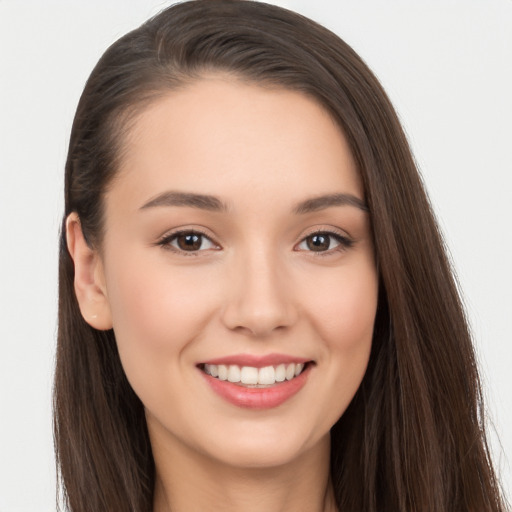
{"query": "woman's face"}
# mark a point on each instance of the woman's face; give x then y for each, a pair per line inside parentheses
(237, 244)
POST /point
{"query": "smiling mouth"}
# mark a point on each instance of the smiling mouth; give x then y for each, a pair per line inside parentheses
(250, 376)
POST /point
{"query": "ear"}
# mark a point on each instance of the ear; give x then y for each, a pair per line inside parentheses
(90, 287)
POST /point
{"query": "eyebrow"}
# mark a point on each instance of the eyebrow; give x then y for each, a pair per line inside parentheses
(201, 201)
(212, 203)
(326, 201)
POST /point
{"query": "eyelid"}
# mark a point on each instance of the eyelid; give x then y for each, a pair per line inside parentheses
(165, 240)
(345, 241)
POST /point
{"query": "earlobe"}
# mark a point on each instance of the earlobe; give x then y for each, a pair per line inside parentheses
(90, 285)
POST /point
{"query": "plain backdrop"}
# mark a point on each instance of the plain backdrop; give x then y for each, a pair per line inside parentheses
(447, 66)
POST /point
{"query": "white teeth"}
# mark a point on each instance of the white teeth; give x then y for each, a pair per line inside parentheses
(267, 375)
(290, 371)
(280, 373)
(249, 375)
(234, 373)
(222, 371)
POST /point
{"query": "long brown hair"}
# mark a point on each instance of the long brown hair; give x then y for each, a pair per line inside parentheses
(413, 438)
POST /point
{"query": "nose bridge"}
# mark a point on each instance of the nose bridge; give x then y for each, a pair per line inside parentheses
(259, 299)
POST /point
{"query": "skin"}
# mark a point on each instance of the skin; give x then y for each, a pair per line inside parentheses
(254, 287)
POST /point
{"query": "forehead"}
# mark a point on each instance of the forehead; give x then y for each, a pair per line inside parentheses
(225, 137)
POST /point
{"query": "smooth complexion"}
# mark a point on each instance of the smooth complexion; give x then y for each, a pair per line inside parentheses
(235, 230)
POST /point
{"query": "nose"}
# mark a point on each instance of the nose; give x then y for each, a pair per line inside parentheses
(259, 296)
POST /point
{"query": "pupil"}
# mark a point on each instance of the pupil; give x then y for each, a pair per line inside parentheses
(318, 243)
(189, 242)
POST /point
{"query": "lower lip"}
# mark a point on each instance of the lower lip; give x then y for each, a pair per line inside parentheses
(257, 398)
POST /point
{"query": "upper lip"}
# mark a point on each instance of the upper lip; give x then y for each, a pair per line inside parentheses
(256, 361)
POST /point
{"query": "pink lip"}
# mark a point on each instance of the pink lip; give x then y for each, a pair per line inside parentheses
(257, 398)
(257, 361)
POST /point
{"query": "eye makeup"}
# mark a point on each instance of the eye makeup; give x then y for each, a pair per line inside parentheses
(190, 242)
(323, 242)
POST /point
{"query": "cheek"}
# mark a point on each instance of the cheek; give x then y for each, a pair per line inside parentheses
(344, 317)
(341, 313)
(156, 312)
(344, 313)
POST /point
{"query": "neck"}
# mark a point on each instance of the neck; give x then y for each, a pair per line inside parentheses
(187, 481)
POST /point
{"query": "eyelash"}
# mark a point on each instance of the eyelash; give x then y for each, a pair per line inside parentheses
(166, 241)
(344, 242)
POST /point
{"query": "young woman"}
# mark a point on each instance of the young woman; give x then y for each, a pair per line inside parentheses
(256, 311)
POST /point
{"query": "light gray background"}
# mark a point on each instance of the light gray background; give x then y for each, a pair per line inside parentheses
(446, 66)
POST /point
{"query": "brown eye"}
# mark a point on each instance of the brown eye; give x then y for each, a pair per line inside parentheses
(320, 242)
(324, 242)
(188, 241)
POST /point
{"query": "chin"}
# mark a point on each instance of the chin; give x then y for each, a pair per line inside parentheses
(263, 449)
